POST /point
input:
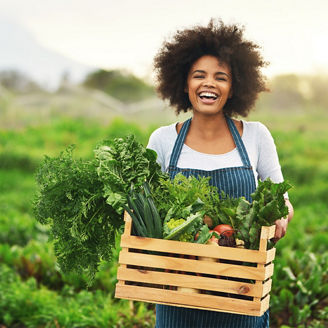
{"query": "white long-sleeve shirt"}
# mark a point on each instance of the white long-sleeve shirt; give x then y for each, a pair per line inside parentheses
(256, 137)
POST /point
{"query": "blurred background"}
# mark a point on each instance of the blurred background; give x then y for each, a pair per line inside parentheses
(78, 72)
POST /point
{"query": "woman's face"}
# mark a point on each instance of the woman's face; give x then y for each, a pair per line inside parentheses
(209, 85)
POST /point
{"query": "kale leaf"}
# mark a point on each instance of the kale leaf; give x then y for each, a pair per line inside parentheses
(124, 162)
(268, 205)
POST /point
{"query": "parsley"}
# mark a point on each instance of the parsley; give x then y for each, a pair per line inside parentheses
(70, 200)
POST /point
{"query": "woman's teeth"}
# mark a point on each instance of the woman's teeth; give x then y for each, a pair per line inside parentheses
(208, 95)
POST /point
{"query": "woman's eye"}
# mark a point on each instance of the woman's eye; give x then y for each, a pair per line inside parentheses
(199, 76)
(221, 79)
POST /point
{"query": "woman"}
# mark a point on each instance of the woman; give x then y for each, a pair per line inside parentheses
(214, 72)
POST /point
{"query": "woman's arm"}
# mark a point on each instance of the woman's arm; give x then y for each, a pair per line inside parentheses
(269, 167)
(282, 224)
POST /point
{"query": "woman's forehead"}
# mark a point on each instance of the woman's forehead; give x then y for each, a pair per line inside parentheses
(209, 62)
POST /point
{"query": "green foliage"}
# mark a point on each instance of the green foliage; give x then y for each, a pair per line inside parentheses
(82, 223)
(123, 162)
(37, 259)
(144, 214)
(15, 187)
(268, 205)
(183, 230)
(23, 303)
(184, 197)
(17, 225)
(24, 149)
(12, 160)
(300, 287)
(180, 197)
(119, 84)
(174, 223)
(17, 228)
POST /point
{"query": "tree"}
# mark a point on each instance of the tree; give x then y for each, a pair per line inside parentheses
(119, 84)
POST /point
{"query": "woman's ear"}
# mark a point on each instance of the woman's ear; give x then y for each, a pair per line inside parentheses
(186, 89)
(230, 93)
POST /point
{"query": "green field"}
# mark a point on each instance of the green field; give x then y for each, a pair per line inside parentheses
(33, 292)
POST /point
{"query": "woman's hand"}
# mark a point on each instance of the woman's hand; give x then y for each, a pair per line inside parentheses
(282, 224)
(281, 228)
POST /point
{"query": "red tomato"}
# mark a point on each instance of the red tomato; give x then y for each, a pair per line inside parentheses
(224, 229)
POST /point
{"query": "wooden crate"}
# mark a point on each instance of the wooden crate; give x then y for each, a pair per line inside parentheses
(219, 278)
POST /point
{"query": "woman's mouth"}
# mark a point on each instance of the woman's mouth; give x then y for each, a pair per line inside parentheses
(208, 97)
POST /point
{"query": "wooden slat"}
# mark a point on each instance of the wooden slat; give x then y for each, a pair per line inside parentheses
(184, 280)
(178, 247)
(172, 263)
(200, 301)
(265, 303)
(266, 287)
(121, 282)
(259, 283)
(269, 271)
(268, 232)
(128, 224)
(271, 253)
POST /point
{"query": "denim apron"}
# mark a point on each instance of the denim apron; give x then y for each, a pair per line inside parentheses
(236, 182)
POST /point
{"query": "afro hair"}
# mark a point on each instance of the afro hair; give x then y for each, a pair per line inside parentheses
(225, 42)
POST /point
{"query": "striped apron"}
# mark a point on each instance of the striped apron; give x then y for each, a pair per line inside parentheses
(236, 182)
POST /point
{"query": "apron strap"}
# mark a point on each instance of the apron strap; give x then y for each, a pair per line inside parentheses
(239, 142)
(179, 144)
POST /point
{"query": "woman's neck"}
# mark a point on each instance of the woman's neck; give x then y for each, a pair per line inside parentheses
(209, 127)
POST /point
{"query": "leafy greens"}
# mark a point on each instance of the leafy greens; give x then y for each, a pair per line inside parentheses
(82, 224)
(123, 162)
(83, 200)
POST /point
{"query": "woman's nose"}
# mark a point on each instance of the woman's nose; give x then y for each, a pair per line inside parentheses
(208, 83)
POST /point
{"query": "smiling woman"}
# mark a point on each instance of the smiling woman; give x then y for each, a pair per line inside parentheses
(215, 73)
(240, 57)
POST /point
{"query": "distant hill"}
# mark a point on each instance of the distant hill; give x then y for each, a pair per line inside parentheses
(21, 51)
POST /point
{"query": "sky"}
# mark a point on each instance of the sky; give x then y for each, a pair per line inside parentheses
(293, 35)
